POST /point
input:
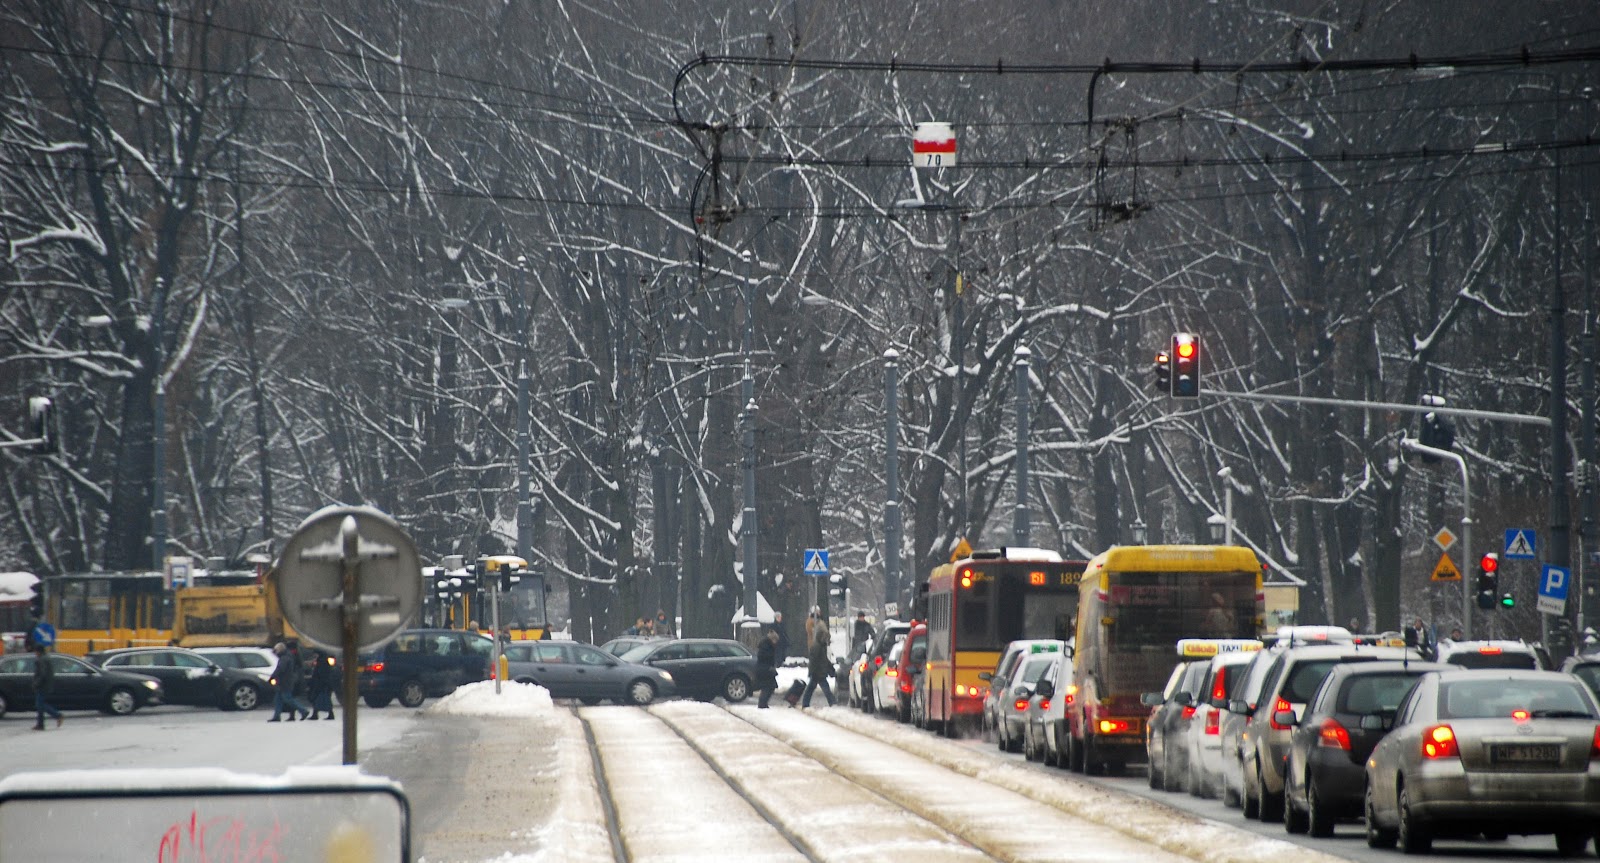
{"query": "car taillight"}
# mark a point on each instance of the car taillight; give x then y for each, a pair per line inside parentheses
(1272, 718)
(1333, 736)
(905, 685)
(877, 662)
(1188, 711)
(861, 666)
(1219, 689)
(1072, 693)
(1021, 705)
(1213, 722)
(373, 668)
(1044, 704)
(1489, 650)
(891, 673)
(1440, 742)
(1594, 750)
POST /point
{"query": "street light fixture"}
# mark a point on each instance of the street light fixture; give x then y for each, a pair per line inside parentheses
(1217, 524)
(1137, 530)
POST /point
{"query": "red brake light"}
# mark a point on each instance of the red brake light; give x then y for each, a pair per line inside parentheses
(1489, 650)
(1072, 693)
(1044, 704)
(1188, 711)
(905, 685)
(1213, 722)
(1219, 687)
(1272, 718)
(374, 668)
(1021, 705)
(877, 662)
(1440, 742)
(1520, 715)
(1594, 751)
(1333, 736)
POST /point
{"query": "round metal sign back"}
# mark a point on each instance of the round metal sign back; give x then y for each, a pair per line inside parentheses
(311, 577)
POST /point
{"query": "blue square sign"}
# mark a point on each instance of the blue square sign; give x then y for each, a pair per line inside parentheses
(1554, 583)
(1522, 544)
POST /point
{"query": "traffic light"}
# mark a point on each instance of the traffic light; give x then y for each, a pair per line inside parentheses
(1508, 601)
(1488, 580)
(44, 427)
(510, 573)
(1438, 432)
(1185, 366)
(1163, 368)
(36, 604)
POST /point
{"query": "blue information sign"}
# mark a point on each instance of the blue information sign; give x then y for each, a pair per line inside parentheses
(1522, 544)
(815, 561)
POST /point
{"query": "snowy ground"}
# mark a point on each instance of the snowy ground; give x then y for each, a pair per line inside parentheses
(697, 782)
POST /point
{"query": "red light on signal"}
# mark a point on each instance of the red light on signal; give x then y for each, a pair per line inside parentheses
(1185, 350)
(1036, 579)
(1489, 563)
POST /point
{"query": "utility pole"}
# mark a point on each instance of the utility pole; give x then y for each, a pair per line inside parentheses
(891, 469)
(1019, 527)
(524, 470)
(158, 430)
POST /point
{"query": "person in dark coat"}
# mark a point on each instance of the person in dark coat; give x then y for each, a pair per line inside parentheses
(324, 677)
(44, 678)
(783, 637)
(767, 668)
(821, 667)
(286, 678)
(862, 634)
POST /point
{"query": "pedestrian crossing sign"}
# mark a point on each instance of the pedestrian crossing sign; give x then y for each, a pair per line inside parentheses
(815, 561)
(1445, 569)
(1521, 544)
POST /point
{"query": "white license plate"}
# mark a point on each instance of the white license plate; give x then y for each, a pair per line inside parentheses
(1525, 753)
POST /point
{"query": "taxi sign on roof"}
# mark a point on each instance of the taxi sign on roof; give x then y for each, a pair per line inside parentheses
(1045, 648)
(1202, 648)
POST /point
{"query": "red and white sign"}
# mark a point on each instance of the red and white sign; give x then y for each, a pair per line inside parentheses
(933, 145)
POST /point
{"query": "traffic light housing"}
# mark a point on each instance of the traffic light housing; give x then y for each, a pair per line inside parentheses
(1489, 581)
(1438, 432)
(40, 416)
(1163, 370)
(510, 573)
(1185, 366)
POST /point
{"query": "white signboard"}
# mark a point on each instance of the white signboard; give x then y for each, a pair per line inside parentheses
(933, 145)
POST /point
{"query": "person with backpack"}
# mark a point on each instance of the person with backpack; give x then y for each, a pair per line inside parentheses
(821, 667)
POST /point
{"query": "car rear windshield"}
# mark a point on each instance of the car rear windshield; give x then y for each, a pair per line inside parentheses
(1375, 693)
(1474, 659)
(1304, 678)
(1501, 697)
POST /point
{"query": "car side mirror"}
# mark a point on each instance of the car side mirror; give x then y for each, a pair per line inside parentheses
(986, 676)
(1376, 722)
(1183, 699)
(1022, 691)
(1238, 706)
(1151, 699)
(1069, 651)
(1045, 689)
(1219, 703)
(1285, 717)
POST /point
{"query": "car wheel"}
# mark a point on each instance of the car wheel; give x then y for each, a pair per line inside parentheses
(1270, 808)
(412, 694)
(1413, 836)
(1571, 843)
(3, 706)
(1230, 794)
(1294, 821)
(1074, 754)
(1092, 765)
(641, 692)
(1158, 776)
(242, 696)
(736, 688)
(903, 713)
(1319, 820)
(121, 702)
(1249, 802)
(590, 700)
(377, 700)
(1169, 773)
(1377, 837)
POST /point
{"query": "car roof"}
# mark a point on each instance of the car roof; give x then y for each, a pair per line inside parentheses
(1329, 651)
(1456, 672)
(1505, 645)
(1388, 666)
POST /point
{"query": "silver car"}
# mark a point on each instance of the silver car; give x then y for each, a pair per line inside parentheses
(569, 669)
(1489, 752)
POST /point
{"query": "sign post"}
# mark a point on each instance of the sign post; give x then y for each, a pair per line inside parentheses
(1554, 582)
(349, 580)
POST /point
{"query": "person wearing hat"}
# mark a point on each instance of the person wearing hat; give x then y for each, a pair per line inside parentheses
(863, 631)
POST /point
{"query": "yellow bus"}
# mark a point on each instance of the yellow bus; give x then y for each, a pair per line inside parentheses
(1134, 604)
(977, 605)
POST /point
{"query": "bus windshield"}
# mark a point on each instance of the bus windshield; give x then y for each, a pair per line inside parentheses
(1150, 611)
(1005, 604)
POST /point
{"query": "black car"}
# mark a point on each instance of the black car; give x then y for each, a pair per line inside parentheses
(423, 663)
(1587, 669)
(703, 668)
(187, 677)
(78, 685)
(872, 658)
(569, 669)
(1325, 777)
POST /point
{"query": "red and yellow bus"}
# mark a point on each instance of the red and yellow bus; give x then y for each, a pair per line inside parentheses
(1134, 603)
(977, 605)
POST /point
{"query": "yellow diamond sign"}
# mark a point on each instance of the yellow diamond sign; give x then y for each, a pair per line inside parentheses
(1444, 539)
(1445, 569)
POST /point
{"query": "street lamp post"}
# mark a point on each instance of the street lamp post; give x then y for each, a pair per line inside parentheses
(158, 431)
(524, 471)
(1020, 524)
(891, 469)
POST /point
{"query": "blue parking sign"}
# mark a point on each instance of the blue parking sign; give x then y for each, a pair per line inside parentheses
(1554, 582)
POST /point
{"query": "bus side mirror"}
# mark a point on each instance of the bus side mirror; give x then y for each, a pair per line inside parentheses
(985, 676)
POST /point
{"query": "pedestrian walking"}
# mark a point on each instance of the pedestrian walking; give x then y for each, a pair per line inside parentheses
(1418, 636)
(44, 678)
(663, 627)
(821, 667)
(324, 677)
(285, 680)
(783, 637)
(767, 668)
(862, 634)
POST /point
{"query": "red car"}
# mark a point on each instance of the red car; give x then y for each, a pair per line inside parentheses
(913, 658)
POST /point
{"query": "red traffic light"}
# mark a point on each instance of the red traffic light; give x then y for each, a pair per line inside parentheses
(1185, 350)
(1489, 563)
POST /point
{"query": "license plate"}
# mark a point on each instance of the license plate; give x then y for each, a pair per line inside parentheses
(1525, 753)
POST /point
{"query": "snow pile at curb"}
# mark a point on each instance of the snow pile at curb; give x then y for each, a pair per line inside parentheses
(479, 699)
